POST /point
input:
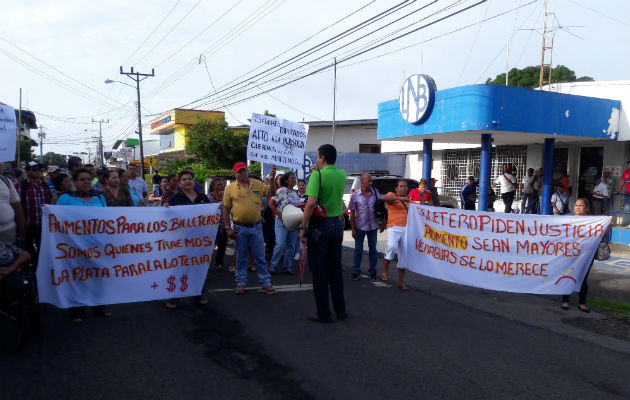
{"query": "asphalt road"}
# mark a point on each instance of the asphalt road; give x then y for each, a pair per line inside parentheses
(438, 340)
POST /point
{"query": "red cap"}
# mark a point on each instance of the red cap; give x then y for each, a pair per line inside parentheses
(433, 180)
(239, 166)
(507, 169)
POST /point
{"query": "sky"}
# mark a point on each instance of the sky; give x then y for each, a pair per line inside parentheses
(60, 53)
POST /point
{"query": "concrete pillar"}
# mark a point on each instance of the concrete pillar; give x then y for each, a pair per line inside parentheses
(485, 168)
(427, 154)
(547, 187)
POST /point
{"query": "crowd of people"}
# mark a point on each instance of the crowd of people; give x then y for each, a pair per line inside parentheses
(599, 196)
(252, 212)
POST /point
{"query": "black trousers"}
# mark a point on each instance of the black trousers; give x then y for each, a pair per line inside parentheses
(583, 289)
(508, 199)
(32, 241)
(324, 239)
(221, 242)
(597, 206)
(79, 312)
(469, 206)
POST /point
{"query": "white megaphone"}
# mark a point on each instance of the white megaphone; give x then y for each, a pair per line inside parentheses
(292, 217)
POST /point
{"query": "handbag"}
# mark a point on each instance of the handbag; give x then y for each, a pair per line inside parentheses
(380, 210)
(319, 212)
(603, 252)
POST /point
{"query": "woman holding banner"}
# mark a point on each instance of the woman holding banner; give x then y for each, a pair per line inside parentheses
(84, 196)
(581, 208)
(188, 195)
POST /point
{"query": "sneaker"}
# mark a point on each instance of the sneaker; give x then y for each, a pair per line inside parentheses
(240, 289)
(296, 256)
(373, 278)
(355, 277)
(269, 290)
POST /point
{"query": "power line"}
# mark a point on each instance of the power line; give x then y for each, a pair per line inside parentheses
(152, 32)
(59, 71)
(461, 75)
(600, 13)
(287, 62)
(199, 34)
(363, 52)
(169, 32)
(202, 58)
(191, 64)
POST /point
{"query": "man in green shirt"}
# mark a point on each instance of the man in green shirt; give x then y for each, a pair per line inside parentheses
(323, 237)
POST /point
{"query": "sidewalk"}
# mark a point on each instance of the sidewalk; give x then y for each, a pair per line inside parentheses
(608, 279)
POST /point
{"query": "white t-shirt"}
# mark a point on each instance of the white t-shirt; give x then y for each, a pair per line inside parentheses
(8, 195)
(140, 185)
(600, 191)
(527, 184)
(560, 199)
(506, 186)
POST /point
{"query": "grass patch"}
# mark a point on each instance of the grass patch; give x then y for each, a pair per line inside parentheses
(610, 305)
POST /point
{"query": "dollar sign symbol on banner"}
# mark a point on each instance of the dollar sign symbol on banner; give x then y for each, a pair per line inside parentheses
(171, 284)
(184, 280)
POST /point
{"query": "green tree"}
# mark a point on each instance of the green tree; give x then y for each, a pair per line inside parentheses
(26, 152)
(214, 146)
(52, 158)
(529, 77)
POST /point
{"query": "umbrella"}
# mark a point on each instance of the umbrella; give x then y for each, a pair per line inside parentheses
(302, 263)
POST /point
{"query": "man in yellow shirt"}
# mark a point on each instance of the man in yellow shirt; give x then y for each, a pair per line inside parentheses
(243, 199)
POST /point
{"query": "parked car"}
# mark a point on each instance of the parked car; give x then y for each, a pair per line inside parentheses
(386, 183)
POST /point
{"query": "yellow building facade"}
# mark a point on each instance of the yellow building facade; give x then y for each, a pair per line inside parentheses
(173, 126)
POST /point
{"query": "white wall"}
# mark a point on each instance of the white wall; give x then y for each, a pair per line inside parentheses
(347, 137)
(613, 90)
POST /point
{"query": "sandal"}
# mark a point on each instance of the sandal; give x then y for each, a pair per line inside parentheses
(251, 268)
(170, 306)
(202, 302)
(403, 287)
(565, 307)
(384, 277)
(77, 320)
(232, 269)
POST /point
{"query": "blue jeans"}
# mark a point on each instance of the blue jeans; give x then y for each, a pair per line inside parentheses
(285, 243)
(358, 251)
(251, 238)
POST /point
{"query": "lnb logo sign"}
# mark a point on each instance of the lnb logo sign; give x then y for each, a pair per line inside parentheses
(417, 96)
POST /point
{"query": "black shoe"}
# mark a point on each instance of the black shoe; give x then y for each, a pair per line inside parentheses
(355, 277)
(288, 272)
(373, 278)
(315, 318)
(342, 316)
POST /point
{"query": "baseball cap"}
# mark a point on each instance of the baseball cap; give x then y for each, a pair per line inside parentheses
(101, 170)
(239, 166)
(53, 168)
(32, 164)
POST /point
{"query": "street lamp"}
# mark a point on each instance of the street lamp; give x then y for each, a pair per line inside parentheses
(137, 77)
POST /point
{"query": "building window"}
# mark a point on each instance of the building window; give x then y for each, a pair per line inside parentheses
(458, 164)
(166, 141)
(369, 148)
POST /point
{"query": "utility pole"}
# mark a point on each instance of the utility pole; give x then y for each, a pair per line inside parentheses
(138, 77)
(100, 141)
(19, 130)
(41, 135)
(334, 101)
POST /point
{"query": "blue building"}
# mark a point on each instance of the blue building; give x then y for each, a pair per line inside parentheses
(480, 128)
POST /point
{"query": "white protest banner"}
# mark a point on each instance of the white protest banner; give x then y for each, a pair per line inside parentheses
(93, 256)
(520, 253)
(8, 133)
(276, 141)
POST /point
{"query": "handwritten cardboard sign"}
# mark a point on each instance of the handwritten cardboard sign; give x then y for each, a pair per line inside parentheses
(8, 133)
(277, 141)
(113, 255)
(519, 253)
